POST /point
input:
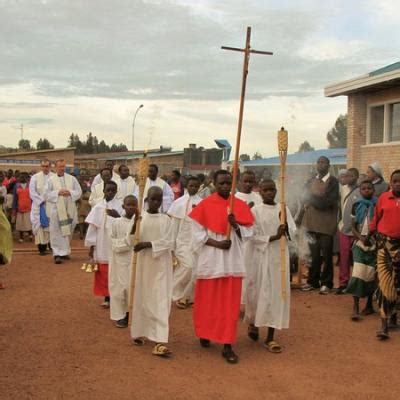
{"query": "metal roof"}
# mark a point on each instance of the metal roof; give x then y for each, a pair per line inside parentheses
(150, 155)
(336, 157)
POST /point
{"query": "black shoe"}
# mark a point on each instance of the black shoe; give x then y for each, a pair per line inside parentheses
(66, 257)
(341, 290)
(42, 253)
(205, 343)
(230, 356)
(122, 323)
(57, 260)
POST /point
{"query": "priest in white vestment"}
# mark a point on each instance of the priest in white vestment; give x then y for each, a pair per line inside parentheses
(182, 234)
(63, 192)
(153, 283)
(126, 184)
(40, 211)
(154, 180)
(265, 306)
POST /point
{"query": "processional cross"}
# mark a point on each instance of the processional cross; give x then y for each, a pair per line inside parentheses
(247, 51)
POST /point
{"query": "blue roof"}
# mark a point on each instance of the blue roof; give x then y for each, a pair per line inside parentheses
(336, 157)
(388, 68)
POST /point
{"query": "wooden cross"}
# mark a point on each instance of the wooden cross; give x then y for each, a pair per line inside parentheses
(247, 51)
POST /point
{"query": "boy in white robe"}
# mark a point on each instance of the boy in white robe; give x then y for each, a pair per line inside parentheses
(97, 193)
(265, 305)
(63, 193)
(183, 285)
(120, 261)
(153, 283)
(251, 198)
(97, 238)
(126, 184)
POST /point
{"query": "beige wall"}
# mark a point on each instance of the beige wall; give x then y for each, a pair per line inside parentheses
(359, 154)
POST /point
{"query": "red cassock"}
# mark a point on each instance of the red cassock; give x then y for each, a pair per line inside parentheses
(100, 287)
(217, 300)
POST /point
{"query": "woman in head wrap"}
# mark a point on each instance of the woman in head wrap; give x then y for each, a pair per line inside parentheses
(374, 173)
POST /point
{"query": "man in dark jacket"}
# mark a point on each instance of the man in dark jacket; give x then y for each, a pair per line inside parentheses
(320, 220)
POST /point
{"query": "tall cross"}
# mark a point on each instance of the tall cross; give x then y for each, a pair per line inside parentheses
(247, 51)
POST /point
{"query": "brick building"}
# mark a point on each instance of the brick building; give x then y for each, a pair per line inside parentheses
(373, 109)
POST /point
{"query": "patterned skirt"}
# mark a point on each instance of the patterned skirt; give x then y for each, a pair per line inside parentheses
(388, 267)
(362, 282)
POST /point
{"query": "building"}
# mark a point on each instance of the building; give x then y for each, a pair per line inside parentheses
(29, 161)
(373, 112)
(297, 164)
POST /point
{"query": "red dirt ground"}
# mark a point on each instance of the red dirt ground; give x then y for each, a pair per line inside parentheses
(57, 343)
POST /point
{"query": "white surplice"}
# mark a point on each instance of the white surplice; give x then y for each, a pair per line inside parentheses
(59, 242)
(119, 266)
(168, 194)
(153, 284)
(127, 187)
(97, 179)
(99, 227)
(38, 186)
(264, 303)
(182, 234)
(255, 198)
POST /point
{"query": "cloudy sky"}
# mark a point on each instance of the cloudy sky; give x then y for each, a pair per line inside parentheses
(85, 66)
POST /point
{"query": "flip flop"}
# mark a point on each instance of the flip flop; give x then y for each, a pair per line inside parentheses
(182, 304)
(161, 350)
(273, 347)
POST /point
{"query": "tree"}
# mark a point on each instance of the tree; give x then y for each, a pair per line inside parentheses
(257, 156)
(25, 144)
(103, 147)
(244, 157)
(337, 136)
(44, 144)
(305, 146)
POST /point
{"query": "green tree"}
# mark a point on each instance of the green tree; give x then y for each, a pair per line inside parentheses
(257, 156)
(305, 146)
(244, 157)
(337, 136)
(25, 144)
(44, 144)
(103, 147)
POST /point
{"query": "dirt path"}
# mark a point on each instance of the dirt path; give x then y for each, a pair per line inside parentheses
(57, 343)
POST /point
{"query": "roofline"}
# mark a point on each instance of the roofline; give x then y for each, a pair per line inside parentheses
(149, 155)
(21, 153)
(359, 83)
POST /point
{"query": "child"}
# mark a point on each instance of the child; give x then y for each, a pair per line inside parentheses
(386, 227)
(182, 232)
(83, 208)
(251, 198)
(264, 305)
(97, 238)
(22, 204)
(5, 237)
(120, 261)
(153, 284)
(362, 281)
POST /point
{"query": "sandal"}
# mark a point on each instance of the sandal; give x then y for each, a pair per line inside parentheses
(273, 347)
(182, 304)
(382, 335)
(140, 341)
(252, 332)
(161, 350)
(230, 356)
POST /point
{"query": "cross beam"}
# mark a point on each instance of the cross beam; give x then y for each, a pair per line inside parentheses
(247, 51)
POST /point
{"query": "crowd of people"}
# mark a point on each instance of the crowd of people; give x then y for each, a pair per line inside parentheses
(195, 250)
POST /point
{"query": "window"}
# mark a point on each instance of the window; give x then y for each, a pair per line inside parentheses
(394, 133)
(383, 123)
(377, 116)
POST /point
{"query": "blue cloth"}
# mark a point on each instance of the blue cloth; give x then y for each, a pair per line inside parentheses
(365, 208)
(44, 219)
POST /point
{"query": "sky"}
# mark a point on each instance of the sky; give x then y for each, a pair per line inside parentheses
(85, 66)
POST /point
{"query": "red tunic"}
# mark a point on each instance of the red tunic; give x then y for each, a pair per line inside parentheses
(387, 215)
(24, 202)
(100, 287)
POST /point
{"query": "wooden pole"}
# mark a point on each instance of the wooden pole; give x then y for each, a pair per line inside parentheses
(247, 50)
(283, 147)
(142, 176)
